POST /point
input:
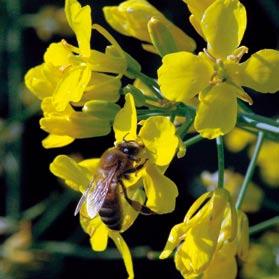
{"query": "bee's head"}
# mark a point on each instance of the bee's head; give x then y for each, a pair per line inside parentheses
(131, 148)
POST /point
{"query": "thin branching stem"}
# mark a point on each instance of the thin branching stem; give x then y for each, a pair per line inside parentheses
(221, 161)
(250, 170)
(264, 225)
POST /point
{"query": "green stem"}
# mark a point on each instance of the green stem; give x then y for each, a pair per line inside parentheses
(250, 170)
(52, 213)
(264, 225)
(14, 76)
(150, 82)
(259, 122)
(36, 210)
(243, 106)
(70, 249)
(221, 161)
(193, 140)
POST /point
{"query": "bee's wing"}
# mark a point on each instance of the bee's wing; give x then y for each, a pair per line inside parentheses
(84, 196)
(95, 199)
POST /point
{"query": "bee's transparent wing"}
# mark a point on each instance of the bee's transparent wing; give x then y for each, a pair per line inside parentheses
(83, 197)
(95, 199)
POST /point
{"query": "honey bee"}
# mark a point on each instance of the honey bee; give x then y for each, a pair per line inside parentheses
(103, 193)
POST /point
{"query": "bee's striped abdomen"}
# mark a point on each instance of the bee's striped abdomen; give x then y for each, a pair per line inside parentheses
(110, 212)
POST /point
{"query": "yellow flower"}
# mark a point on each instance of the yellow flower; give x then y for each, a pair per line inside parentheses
(233, 181)
(161, 192)
(78, 176)
(70, 74)
(216, 75)
(197, 8)
(201, 233)
(64, 127)
(131, 18)
(224, 264)
(268, 157)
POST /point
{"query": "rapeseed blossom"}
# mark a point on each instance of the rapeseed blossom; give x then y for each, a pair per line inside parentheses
(216, 75)
(93, 120)
(159, 191)
(137, 18)
(78, 176)
(196, 238)
(209, 239)
(73, 76)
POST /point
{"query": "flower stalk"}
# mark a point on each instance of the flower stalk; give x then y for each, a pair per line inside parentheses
(250, 170)
(264, 225)
(221, 161)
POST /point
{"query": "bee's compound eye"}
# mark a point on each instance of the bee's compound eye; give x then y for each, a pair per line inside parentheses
(126, 150)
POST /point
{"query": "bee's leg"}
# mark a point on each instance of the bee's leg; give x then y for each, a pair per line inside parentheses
(136, 205)
(135, 169)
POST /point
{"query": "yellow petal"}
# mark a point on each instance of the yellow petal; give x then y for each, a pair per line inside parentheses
(99, 239)
(79, 18)
(176, 234)
(125, 122)
(77, 125)
(54, 141)
(67, 169)
(49, 109)
(161, 192)
(199, 246)
(38, 83)
(130, 18)
(217, 111)
(89, 225)
(102, 109)
(106, 63)
(71, 87)
(260, 72)
(90, 164)
(204, 229)
(223, 25)
(197, 205)
(149, 48)
(58, 54)
(197, 8)
(196, 24)
(243, 236)
(183, 75)
(124, 251)
(102, 87)
(154, 133)
(221, 266)
(115, 18)
(161, 37)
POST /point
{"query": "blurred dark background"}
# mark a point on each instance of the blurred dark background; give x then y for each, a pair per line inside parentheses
(36, 183)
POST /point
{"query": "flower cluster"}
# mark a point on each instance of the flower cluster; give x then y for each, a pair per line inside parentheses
(216, 75)
(211, 235)
(79, 89)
